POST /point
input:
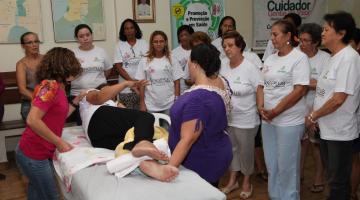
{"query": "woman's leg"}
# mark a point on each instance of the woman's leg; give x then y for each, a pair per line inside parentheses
(337, 156)
(108, 126)
(246, 138)
(42, 183)
(235, 163)
(165, 173)
(270, 145)
(289, 150)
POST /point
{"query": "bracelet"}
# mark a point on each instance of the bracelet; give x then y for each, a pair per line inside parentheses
(311, 118)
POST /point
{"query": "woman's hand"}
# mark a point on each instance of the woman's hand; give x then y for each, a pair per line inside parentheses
(63, 146)
(137, 84)
(310, 121)
(267, 115)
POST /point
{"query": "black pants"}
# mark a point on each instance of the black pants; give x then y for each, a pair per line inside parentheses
(108, 126)
(337, 159)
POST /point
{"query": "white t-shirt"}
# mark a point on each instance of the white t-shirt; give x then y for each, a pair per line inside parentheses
(341, 74)
(87, 110)
(243, 80)
(317, 63)
(181, 56)
(130, 57)
(280, 75)
(159, 94)
(94, 62)
(250, 56)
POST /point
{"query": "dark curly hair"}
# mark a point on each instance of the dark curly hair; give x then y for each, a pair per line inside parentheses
(58, 64)
(220, 33)
(138, 33)
(207, 56)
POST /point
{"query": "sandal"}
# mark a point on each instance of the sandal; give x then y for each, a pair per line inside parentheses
(227, 190)
(317, 188)
(246, 195)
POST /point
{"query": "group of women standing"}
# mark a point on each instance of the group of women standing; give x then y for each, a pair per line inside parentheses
(299, 89)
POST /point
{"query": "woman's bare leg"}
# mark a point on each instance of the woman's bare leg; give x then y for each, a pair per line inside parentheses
(146, 148)
(165, 173)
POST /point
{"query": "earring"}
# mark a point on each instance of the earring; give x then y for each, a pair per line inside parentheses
(287, 42)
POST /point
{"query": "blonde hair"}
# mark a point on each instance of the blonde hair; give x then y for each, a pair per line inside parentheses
(151, 53)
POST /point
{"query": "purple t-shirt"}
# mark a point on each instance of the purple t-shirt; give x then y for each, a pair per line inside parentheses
(211, 155)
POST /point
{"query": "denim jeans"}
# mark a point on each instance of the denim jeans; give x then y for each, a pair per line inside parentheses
(42, 183)
(25, 109)
(282, 157)
(337, 160)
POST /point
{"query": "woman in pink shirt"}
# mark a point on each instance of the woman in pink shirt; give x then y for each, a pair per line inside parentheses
(45, 122)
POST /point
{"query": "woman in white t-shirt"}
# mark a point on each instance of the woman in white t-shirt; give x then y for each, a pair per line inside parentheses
(310, 40)
(336, 101)
(181, 53)
(128, 53)
(163, 76)
(243, 124)
(281, 103)
(94, 61)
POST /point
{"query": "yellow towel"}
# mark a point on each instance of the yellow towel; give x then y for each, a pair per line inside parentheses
(159, 132)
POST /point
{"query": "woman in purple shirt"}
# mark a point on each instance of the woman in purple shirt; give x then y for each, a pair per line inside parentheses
(197, 137)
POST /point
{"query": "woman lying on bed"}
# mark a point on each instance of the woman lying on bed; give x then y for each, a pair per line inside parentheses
(106, 124)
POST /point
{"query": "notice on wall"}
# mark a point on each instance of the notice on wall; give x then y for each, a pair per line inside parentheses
(266, 12)
(202, 15)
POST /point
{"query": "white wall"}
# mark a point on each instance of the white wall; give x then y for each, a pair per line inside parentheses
(116, 11)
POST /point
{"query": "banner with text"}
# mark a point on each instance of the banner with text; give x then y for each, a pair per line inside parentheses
(266, 12)
(202, 15)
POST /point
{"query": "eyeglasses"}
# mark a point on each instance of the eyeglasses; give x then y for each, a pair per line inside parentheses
(32, 42)
(305, 41)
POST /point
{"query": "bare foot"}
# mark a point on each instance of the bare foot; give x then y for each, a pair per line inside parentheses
(146, 148)
(164, 173)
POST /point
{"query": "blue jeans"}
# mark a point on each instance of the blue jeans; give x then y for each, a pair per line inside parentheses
(25, 109)
(42, 183)
(282, 157)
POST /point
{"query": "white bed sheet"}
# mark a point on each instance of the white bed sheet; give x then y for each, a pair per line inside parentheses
(96, 183)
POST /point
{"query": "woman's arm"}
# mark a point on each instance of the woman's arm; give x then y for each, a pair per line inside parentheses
(177, 88)
(287, 102)
(330, 105)
(313, 83)
(21, 80)
(122, 71)
(34, 120)
(189, 135)
(97, 97)
(107, 72)
(142, 99)
(260, 101)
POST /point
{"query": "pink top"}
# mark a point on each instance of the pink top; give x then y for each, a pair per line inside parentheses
(51, 99)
